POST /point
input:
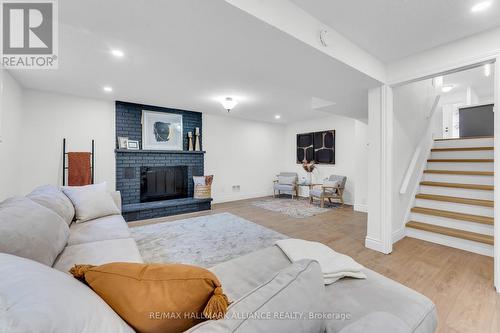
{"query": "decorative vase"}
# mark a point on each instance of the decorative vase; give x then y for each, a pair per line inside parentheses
(190, 142)
(197, 145)
(309, 178)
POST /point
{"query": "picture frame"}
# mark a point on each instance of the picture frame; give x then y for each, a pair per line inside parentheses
(133, 144)
(162, 131)
(122, 142)
(316, 146)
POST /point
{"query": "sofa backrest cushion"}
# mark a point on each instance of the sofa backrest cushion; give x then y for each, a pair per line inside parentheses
(292, 301)
(31, 231)
(37, 298)
(91, 201)
(53, 198)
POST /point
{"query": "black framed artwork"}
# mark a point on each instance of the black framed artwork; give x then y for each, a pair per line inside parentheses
(317, 146)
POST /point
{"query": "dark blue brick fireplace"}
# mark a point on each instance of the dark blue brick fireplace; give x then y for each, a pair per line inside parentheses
(129, 163)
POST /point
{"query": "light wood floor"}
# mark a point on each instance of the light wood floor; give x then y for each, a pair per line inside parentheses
(458, 282)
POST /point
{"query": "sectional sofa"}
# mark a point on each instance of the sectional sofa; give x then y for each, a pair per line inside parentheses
(38, 295)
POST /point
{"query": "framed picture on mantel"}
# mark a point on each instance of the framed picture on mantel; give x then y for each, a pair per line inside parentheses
(161, 131)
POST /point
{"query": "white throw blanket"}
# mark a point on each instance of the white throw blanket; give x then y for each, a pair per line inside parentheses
(334, 265)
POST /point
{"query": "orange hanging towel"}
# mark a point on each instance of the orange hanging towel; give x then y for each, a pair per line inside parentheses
(79, 173)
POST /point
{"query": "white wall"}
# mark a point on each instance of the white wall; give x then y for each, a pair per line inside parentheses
(361, 180)
(47, 119)
(412, 107)
(350, 160)
(241, 152)
(10, 135)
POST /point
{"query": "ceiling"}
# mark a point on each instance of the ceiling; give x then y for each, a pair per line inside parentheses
(393, 29)
(186, 53)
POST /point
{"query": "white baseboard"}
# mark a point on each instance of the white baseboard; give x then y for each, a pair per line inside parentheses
(375, 244)
(398, 235)
(361, 208)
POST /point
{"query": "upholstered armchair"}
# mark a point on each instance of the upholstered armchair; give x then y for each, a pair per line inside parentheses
(287, 183)
(333, 188)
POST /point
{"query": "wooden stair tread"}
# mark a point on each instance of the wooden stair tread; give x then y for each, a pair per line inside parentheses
(459, 172)
(466, 201)
(457, 185)
(472, 236)
(467, 138)
(461, 160)
(462, 149)
(453, 215)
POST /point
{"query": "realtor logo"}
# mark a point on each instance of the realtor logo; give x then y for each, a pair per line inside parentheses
(29, 34)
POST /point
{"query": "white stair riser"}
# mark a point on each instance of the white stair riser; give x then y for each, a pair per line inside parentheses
(481, 166)
(458, 243)
(455, 207)
(478, 228)
(457, 192)
(460, 179)
(486, 142)
(463, 154)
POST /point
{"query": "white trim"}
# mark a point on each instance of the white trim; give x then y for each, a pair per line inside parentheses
(361, 208)
(386, 171)
(399, 234)
(374, 244)
(458, 243)
(496, 193)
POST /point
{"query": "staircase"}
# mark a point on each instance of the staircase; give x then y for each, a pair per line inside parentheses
(454, 204)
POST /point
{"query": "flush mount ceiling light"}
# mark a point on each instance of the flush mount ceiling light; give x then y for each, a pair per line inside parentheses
(448, 88)
(228, 103)
(117, 53)
(481, 6)
(487, 70)
(277, 116)
(107, 89)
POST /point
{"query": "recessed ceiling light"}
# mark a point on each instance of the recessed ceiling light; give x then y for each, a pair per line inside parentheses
(107, 89)
(117, 53)
(448, 88)
(277, 116)
(487, 70)
(479, 7)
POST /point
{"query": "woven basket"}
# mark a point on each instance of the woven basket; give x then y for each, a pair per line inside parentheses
(203, 191)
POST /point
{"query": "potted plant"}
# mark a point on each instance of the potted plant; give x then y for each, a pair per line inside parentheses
(309, 168)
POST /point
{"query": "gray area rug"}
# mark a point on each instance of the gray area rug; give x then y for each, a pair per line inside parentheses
(293, 207)
(203, 241)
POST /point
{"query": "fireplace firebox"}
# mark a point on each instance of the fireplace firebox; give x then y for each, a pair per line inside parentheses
(164, 183)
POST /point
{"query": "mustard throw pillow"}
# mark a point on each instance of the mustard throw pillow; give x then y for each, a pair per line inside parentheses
(154, 298)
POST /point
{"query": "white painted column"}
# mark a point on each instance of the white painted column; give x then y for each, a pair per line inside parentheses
(380, 129)
(496, 271)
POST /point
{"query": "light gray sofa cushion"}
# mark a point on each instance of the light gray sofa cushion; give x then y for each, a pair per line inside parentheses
(375, 322)
(98, 253)
(37, 298)
(53, 198)
(91, 201)
(104, 228)
(295, 291)
(359, 298)
(31, 231)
